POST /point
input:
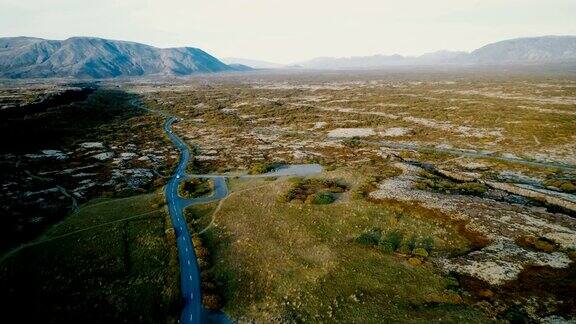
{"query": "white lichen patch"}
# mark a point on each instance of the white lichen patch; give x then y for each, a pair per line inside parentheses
(396, 131)
(92, 145)
(49, 154)
(351, 132)
(502, 261)
(319, 125)
(103, 156)
(498, 221)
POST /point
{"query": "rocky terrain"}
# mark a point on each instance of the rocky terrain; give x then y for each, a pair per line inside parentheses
(473, 178)
(60, 158)
(466, 151)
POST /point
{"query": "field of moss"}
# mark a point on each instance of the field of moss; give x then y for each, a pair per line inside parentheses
(115, 260)
(292, 261)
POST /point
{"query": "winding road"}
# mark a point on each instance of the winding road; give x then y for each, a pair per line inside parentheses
(193, 311)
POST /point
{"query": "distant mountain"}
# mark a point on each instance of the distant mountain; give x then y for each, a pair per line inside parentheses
(443, 57)
(528, 50)
(240, 67)
(87, 57)
(356, 62)
(256, 64)
(534, 50)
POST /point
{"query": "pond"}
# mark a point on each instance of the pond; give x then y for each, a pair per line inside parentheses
(291, 170)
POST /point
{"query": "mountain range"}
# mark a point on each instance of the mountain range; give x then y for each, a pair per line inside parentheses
(532, 50)
(256, 64)
(89, 57)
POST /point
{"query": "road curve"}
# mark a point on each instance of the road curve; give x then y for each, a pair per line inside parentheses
(193, 311)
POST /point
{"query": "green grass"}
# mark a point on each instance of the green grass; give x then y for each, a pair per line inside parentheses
(199, 216)
(565, 185)
(395, 240)
(435, 183)
(193, 188)
(314, 191)
(301, 262)
(97, 267)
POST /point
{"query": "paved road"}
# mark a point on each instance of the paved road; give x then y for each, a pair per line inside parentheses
(193, 311)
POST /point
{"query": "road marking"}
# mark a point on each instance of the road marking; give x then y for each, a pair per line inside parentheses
(190, 277)
(188, 262)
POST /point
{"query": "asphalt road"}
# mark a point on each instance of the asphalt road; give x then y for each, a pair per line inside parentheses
(193, 311)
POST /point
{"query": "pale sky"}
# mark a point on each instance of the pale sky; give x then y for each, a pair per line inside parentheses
(287, 31)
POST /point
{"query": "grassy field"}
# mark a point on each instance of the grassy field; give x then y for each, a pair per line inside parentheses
(301, 262)
(193, 188)
(199, 216)
(113, 261)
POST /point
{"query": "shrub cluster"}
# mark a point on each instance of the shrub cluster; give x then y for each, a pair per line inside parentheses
(192, 188)
(314, 191)
(394, 241)
(435, 183)
(210, 296)
(352, 142)
(565, 185)
(262, 168)
(542, 244)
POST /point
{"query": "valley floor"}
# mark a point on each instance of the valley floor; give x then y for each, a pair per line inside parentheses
(442, 197)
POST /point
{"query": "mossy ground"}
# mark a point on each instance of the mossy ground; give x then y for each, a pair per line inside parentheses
(113, 261)
(300, 262)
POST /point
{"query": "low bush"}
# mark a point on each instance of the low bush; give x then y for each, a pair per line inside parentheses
(313, 191)
(385, 247)
(393, 241)
(192, 188)
(372, 237)
(428, 244)
(537, 243)
(434, 183)
(565, 185)
(324, 198)
(421, 252)
(412, 243)
(352, 142)
(394, 238)
(262, 168)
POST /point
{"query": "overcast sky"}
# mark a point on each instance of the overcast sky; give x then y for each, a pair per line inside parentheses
(287, 31)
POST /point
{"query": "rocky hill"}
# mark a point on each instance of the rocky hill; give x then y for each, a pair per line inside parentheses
(86, 57)
(534, 50)
(528, 50)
